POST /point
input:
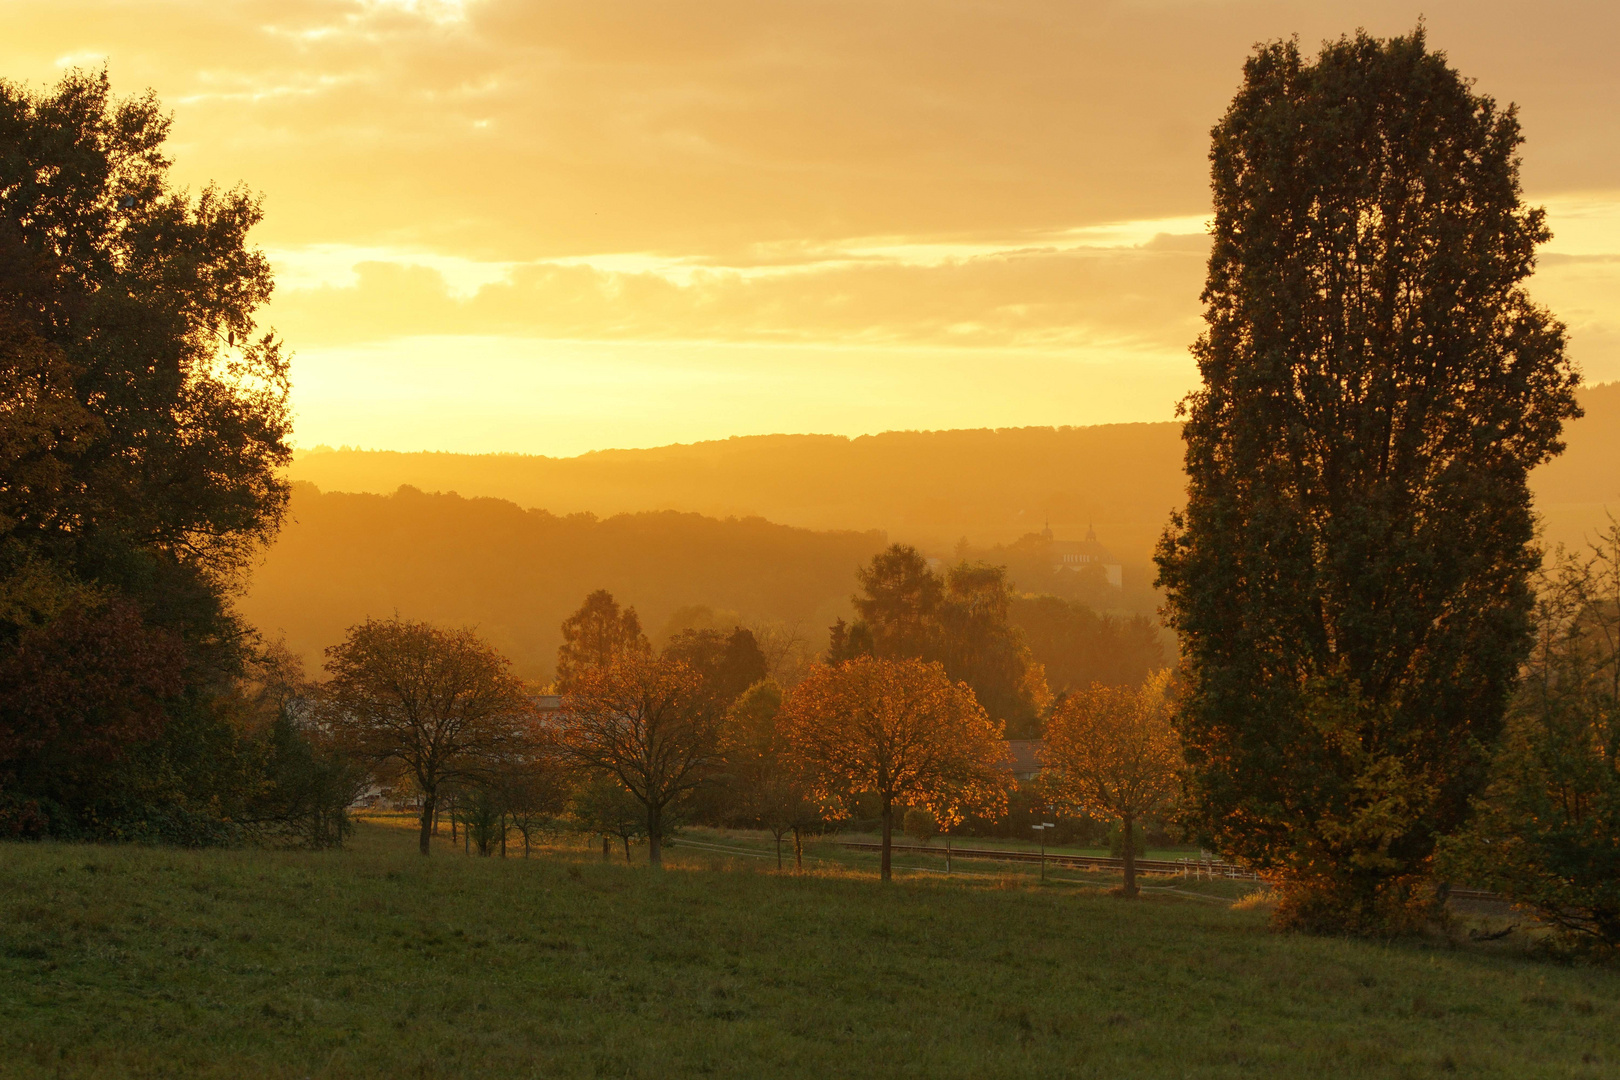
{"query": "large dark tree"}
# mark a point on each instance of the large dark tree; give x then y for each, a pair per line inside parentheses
(1349, 578)
(143, 424)
(133, 303)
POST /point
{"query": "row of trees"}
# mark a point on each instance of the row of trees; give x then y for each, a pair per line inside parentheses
(643, 740)
(441, 707)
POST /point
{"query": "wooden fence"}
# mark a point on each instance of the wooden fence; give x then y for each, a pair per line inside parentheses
(1189, 868)
(1199, 868)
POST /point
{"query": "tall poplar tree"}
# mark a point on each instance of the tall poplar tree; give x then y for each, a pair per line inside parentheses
(1350, 577)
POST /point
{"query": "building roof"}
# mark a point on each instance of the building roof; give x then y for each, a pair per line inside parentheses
(1088, 550)
(1023, 758)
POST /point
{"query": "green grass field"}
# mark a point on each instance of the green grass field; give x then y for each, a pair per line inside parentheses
(372, 961)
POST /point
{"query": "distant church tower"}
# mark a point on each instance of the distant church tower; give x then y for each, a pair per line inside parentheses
(1074, 555)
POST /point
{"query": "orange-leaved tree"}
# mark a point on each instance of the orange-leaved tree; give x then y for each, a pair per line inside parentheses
(1110, 752)
(650, 724)
(439, 703)
(899, 730)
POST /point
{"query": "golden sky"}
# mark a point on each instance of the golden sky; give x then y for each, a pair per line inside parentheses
(553, 227)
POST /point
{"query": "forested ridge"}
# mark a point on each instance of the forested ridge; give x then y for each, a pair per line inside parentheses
(928, 488)
(516, 573)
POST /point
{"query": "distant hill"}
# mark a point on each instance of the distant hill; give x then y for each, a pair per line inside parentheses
(769, 529)
(930, 488)
(925, 487)
(516, 574)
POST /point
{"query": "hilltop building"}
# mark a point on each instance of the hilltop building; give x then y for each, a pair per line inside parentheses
(1077, 555)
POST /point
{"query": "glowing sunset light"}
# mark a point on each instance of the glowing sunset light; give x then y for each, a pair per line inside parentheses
(556, 227)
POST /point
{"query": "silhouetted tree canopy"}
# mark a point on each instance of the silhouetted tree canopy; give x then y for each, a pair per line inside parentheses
(598, 633)
(960, 621)
(1350, 576)
(143, 427)
(728, 664)
(162, 420)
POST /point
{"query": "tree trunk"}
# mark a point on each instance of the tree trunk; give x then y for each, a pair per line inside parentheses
(607, 848)
(503, 836)
(626, 839)
(655, 853)
(1130, 855)
(798, 850)
(885, 872)
(454, 836)
(947, 854)
(427, 821)
(435, 820)
(779, 851)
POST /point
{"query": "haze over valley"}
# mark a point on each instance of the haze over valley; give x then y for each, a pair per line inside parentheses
(767, 528)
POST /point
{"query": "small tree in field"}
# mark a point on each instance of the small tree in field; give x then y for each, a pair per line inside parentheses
(533, 792)
(603, 805)
(1111, 752)
(1546, 832)
(649, 724)
(768, 789)
(902, 731)
(439, 703)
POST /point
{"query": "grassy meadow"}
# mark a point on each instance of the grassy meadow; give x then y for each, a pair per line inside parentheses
(371, 961)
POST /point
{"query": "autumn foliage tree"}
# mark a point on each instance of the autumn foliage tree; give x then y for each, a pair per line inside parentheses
(1110, 752)
(1349, 581)
(649, 724)
(441, 704)
(899, 730)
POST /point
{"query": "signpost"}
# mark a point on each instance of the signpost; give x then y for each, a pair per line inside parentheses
(1040, 833)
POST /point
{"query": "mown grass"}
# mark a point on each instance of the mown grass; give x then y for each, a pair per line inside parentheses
(375, 962)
